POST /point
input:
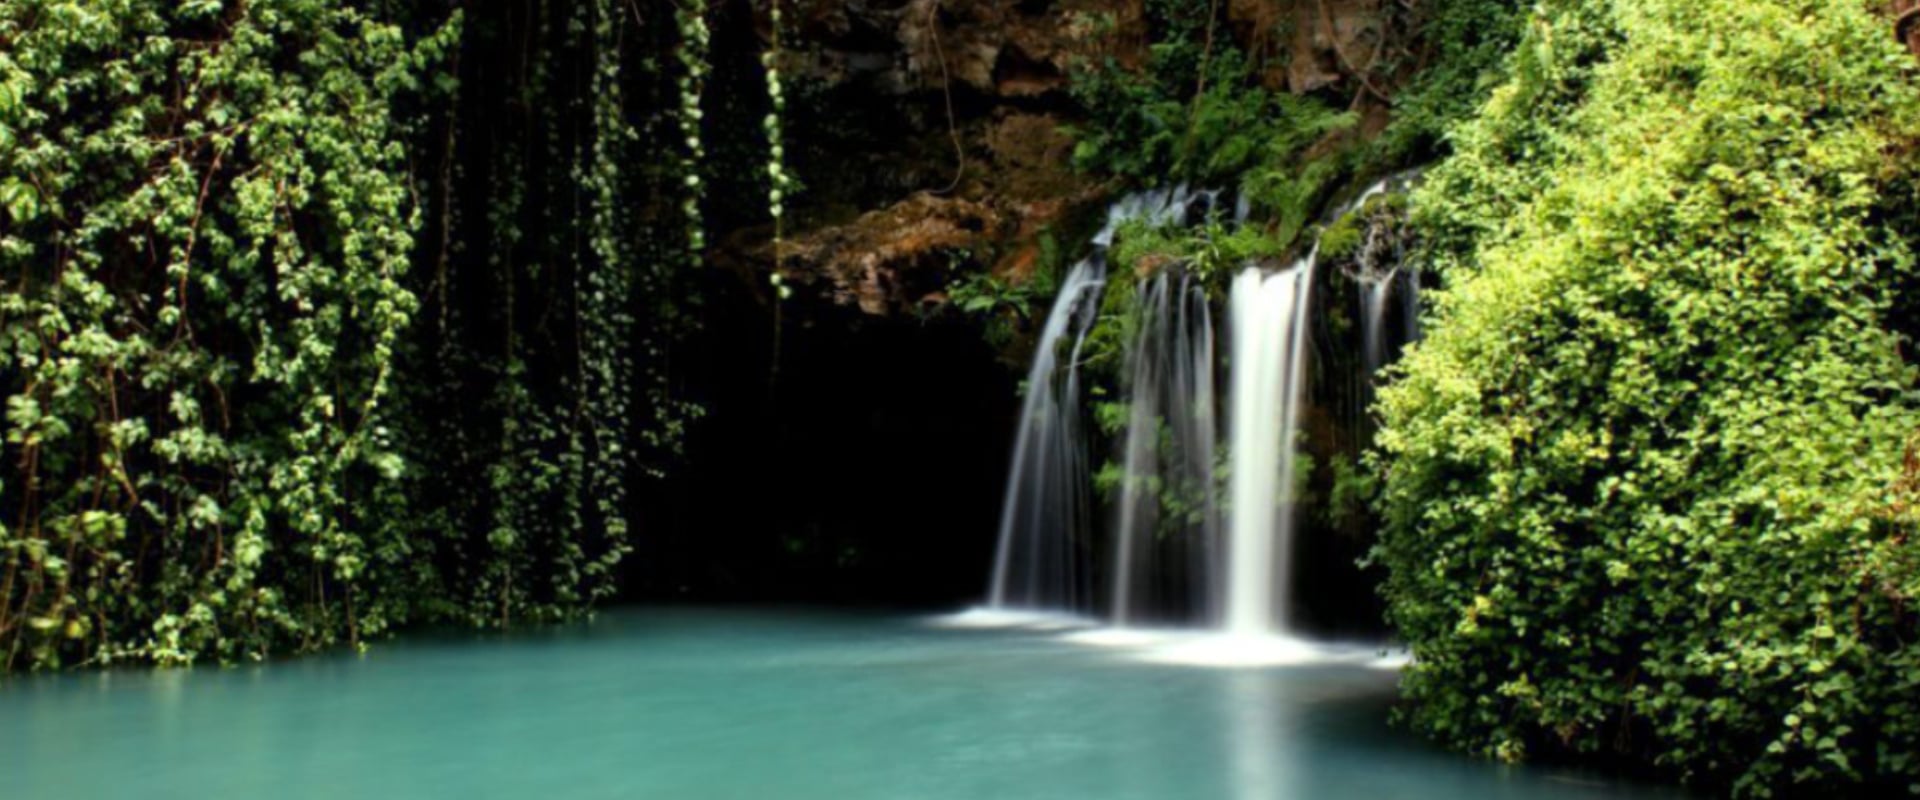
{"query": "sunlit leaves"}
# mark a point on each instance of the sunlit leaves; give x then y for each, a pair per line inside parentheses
(1641, 461)
(199, 317)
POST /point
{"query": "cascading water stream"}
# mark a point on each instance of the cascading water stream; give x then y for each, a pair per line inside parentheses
(1045, 512)
(1046, 497)
(1410, 306)
(1270, 318)
(1269, 315)
(1169, 444)
(1373, 325)
(1381, 271)
(1376, 293)
(1169, 554)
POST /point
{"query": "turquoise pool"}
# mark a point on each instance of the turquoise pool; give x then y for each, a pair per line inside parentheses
(747, 704)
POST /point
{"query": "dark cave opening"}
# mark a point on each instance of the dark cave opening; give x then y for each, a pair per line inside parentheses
(867, 470)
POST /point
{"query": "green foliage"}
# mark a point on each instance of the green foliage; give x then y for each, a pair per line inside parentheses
(1181, 500)
(1196, 113)
(779, 183)
(227, 435)
(1354, 489)
(1104, 353)
(1637, 478)
(1342, 238)
(1174, 122)
(985, 293)
(546, 391)
(695, 40)
(1464, 45)
(1371, 226)
(206, 233)
(1008, 307)
(1212, 251)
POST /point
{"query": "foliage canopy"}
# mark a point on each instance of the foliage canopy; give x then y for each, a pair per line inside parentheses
(241, 418)
(1637, 479)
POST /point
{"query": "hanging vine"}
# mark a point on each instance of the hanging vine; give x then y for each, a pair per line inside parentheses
(695, 39)
(207, 226)
(226, 435)
(556, 502)
(606, 364)
(778, 182)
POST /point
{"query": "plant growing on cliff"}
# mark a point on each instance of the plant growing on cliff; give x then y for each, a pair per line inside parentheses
(1009, 307)
(779, 183)
(226, 436)
(205, 235)
(562, 311)
(690, 17)
(1635, 477)
(1196, 113)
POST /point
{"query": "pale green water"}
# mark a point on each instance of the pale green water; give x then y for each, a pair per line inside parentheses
(713, 705)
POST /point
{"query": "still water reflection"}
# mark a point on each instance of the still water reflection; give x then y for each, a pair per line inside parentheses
(713, 705)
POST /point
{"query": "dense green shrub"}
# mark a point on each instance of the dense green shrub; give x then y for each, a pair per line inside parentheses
(301, 342)
(1459, 48)
(1196, 113)
(1639, 478)
(206, 228)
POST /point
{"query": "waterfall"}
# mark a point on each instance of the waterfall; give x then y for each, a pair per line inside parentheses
(1410, 307)
(1172, 551)
(1169, 444)
(1380, 268)
(1373, 322)
(1268, 315)
(1375, 292)
(1045, 512)
(1155, 207)
(1046, 497)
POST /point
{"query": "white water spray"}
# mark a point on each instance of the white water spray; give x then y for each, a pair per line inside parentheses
(1269, 315)
(1039, 564)
(1373, 321)
(1169, 444)
(1046, 497)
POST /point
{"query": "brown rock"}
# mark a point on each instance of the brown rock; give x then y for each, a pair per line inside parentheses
(992, 75)
(887, 260)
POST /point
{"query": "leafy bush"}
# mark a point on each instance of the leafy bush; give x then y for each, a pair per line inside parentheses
(207, 220)
(226, 435)
(1637, 479)
(1463, 45)
(1195, 113)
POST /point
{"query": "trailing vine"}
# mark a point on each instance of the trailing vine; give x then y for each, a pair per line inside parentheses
(553, 494)
(606, 363)
(226, 436)
(207, 229)
(779, 183)
(695, 39)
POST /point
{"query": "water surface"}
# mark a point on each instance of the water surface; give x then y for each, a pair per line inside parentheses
(721, 704)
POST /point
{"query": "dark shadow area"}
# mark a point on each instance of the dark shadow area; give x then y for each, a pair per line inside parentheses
(868, 471)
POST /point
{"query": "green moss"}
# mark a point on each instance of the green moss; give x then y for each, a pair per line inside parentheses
(1195, 112)
(1342, 238)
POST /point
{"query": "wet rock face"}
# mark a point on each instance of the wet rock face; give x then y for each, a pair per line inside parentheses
(900, 259)
(892, 260)
(976, 162)
(973, 166)
(1003, 49)
(1312, 45)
